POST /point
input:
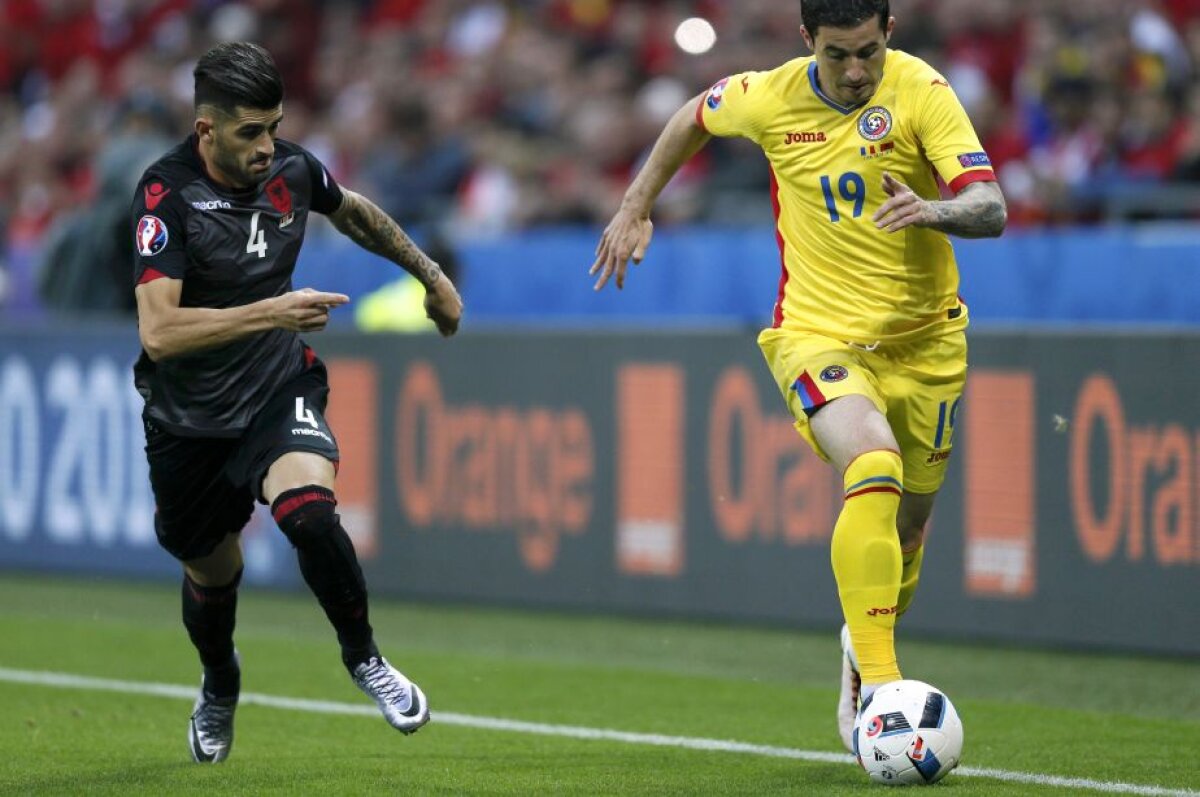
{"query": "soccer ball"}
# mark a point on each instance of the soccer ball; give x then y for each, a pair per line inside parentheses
(908, 733)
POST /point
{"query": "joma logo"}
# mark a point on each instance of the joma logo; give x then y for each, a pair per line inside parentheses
(881, 610)
(804, 138)
(937, 456)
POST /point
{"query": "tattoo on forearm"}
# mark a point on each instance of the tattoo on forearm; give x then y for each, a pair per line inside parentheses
(372, 229)
(978, 212)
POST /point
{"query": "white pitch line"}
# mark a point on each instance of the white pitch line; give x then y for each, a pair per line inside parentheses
(68, 681)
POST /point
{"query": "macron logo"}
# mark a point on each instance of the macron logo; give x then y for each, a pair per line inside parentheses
(154, 194)
(313, 433)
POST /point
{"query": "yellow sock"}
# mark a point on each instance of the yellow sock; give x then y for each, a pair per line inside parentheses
(910, 574)
(866, 561)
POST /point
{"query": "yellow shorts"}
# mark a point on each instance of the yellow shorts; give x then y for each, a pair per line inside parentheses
(916, 385)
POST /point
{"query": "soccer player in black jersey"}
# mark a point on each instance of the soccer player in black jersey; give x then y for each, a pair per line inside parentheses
(235, 400)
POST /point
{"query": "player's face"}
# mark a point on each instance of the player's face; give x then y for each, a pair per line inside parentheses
(850, 60)
(243, 145)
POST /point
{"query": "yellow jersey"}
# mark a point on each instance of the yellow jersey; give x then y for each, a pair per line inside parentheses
(841, 275)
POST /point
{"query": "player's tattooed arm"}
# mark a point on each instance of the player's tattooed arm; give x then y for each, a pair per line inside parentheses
(978, 211)
(363, 222)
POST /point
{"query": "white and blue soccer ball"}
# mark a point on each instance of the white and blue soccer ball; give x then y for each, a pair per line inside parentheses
(908, 733)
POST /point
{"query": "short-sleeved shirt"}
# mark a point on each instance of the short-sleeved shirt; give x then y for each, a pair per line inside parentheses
(841, 276)
(230, 248)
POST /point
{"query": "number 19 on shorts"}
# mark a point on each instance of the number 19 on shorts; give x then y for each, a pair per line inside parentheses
(947, 414)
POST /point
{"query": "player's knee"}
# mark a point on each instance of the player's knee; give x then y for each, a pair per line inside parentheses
(913, 517)
(911, 538)
(911, 531)
(306, 514)
(879, 468)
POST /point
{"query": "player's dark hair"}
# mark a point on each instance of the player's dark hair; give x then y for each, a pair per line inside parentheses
(842, 13)
(238, 74)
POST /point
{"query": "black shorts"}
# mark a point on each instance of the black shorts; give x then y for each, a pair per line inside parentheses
(205, 487)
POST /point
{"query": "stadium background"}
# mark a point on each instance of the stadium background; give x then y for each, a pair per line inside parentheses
(627, 452)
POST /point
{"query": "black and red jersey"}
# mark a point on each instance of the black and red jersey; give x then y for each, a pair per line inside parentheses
(230, 248)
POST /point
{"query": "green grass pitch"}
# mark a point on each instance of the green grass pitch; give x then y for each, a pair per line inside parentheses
(1051, 723)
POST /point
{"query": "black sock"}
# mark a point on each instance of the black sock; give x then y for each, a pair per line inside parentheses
(333, 574)
(223, 681)
(209, 614)
(329, 566)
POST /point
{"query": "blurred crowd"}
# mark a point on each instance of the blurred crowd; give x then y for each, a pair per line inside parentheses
(489, 116)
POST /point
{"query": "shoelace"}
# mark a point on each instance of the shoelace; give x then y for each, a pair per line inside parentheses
(381, 683)
(214, 719)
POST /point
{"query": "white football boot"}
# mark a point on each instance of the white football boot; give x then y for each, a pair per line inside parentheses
(210, 731)
(847, 710)
(402, 702)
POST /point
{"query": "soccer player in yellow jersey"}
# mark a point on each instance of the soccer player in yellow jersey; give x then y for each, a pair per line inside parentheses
(866, 341)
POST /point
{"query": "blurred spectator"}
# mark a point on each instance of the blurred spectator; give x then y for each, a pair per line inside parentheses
(1188, 166)
(86, 256)
(415, 170)
(503, 114)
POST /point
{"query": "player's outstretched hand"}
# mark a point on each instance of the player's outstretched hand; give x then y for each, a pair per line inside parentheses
(903, 207)
(443, 305)
(306, 310)
(626, 237)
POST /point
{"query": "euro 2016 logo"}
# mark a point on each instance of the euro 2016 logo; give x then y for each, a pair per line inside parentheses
(875, 123)
(716, 94)
(151, 236)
